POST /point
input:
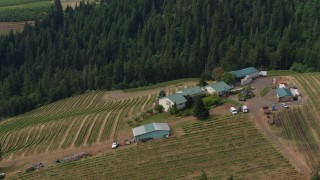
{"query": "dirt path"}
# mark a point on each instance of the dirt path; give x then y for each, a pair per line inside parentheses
(295, 158)
(65, 135)
(78, 132)
(103, 125)
(95, 96)
(86, 138)
(116, 124)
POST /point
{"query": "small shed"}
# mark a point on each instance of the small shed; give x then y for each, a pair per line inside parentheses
(284, 95)
(220, 88)
(168, 101)
(246, 80)
(192, 92)
(151, 131)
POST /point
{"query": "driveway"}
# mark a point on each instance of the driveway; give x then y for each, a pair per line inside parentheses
(255, 106)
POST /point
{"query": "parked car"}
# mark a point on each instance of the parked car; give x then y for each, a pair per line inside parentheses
(115, 144)
(233, 110)
(285, 105)
(244, 109)
(242, 99)
(2, 175)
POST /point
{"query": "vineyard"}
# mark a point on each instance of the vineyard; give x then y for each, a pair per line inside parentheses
(74, 122)
(78, 121)
(301, 124)
(294, 124)
(217, 148)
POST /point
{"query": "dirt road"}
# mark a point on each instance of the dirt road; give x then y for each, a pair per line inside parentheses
(260, 120)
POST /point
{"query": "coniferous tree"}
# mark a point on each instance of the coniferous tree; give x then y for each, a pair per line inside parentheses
(199, 110)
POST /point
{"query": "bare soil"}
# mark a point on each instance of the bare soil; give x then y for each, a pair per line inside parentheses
(6, 27)
(285, 147)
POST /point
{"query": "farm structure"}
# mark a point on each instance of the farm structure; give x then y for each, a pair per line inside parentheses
(250, 71)
(151, 131)
(221, 88)
(246, 80)
(218, 147)
(284, 95)
(192, 92)
(169, 101)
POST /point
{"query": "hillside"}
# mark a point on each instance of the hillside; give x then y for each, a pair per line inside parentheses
(126, 44)
(218, 148)
(76, 122)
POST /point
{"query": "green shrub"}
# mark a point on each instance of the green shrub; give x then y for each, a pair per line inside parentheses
(212, 100)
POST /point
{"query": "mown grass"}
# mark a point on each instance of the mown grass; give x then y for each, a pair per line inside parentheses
(265, 91)
(25, 10)
(159, 85)
(281, 73)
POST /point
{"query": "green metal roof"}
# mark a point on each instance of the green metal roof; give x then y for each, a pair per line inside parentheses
(244, 72)
(177, 98)
(150, 128)
(192, 91)
(220, 87)
(282, 92)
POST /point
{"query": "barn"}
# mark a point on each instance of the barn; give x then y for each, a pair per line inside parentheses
(151, 131)
(168, 101)
(221, 88)
(284, 95)
(192, 92)
(250, 71)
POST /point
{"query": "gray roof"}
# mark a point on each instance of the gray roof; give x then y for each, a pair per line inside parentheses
(220, 87)
(244, 72)
(192, 91)
(177, 98)
(149, 128)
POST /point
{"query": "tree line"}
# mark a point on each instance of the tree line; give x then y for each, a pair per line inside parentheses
(119, 44)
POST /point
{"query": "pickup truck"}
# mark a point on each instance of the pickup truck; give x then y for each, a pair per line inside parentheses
(266, 110)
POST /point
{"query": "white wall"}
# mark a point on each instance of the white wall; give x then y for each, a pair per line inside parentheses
(166, 103)
(254, 75)
(210, 90)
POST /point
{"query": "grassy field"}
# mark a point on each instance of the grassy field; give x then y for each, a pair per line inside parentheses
(217, 149)
(21, 10)
(14, 13)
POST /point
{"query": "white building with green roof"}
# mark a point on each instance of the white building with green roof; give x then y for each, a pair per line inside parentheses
(192, 92)
(169, 101)
(219, 88)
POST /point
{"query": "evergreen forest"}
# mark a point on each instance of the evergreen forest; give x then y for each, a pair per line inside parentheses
(118, 44)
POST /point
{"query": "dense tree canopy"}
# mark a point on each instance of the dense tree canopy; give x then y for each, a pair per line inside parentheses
(122, 44)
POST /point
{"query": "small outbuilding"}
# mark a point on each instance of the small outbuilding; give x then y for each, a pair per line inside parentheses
(168, 101)
(250, 71)
(151, 131)
(221, 88)
(192, 92)
(284, 95)
(246, 80)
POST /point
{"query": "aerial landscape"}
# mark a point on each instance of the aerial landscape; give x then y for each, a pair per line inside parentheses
(159, 89)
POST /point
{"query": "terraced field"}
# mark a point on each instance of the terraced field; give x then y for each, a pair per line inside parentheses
(217, 149)
(79, 121)
(73, 122)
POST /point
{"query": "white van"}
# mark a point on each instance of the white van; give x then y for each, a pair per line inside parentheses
(233, 110)
(244, 109)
